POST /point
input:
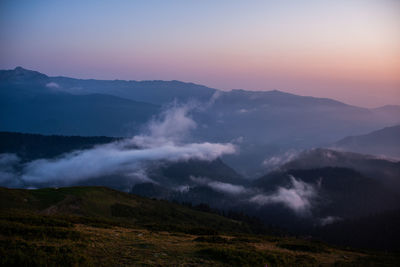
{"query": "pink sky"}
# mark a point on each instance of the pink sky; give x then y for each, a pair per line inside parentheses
(347, 49)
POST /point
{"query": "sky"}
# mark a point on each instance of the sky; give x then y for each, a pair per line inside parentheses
(348, 50)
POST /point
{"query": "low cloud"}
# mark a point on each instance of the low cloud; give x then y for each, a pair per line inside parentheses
(171, 127)
(220, 186)
(217, 94)
(329, 220)
(53, 85)
(8, 169)
(279, 160)
(297, 197)
(245, 110)
(238, 140)
(227, 188)
(163, 139)
(115, 158)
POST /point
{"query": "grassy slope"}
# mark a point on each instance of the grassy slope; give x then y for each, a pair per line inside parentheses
(89, 226)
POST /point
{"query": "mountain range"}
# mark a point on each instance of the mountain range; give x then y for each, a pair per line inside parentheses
(310, 165)
(318, 187)
(383, 142)
(262, 124)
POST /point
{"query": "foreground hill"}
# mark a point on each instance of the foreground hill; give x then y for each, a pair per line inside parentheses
(107, 204)
(384, 142)
(89, 226)
(380, 230)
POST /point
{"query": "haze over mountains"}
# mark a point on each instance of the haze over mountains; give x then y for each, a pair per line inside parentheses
(200, 133)
(318, 188)
(383, 142)
(269, 154)
(262, 124)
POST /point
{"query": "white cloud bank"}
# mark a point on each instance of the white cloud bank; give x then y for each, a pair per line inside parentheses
(279, 160)
(115, 158)
(8, 164)
(298, 197)
(220, 186)
(329, 220)
(174, 125)
(53, 85)
(162, 141)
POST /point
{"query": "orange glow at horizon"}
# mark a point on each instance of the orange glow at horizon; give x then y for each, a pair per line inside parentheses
(346, 49)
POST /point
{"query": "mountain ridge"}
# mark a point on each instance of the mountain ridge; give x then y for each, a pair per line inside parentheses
(262, 124)
(20, 69)
(383, 142)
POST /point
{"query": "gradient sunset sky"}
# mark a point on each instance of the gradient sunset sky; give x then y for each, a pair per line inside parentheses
(344, 49)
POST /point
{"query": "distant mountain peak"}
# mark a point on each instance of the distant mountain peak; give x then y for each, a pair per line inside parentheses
(19, 68)
(21, 74)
